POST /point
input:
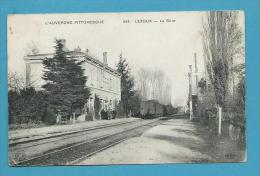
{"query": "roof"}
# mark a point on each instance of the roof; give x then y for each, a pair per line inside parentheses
(87, 57)
(152, 100)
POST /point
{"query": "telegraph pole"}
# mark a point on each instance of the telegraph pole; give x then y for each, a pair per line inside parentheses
(190, 91)
(196, 71)
(196, 91)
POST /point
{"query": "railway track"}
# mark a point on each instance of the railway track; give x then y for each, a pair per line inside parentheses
(86, 145)
(16, 141)
(28, 148)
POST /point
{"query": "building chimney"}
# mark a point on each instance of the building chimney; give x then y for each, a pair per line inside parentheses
(105, 58)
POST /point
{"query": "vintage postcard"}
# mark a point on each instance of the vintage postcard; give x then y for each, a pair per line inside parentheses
(126, 88)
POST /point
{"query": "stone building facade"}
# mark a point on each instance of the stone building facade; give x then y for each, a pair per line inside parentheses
(103, 81)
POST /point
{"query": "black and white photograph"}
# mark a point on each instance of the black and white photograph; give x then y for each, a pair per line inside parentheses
(126, 88)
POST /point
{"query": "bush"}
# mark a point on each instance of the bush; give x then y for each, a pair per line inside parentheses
(104, 114)
(26, 106)
(120, 110)
(97, 107)
(89, 116)
(49, 117)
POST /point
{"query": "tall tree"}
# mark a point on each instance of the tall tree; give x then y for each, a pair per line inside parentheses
(127, 84)
(16, 81)
(153, 84)
(65, 81)
(221, 43)
(143, 83)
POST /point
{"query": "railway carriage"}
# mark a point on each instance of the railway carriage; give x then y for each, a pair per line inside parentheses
(151, 108)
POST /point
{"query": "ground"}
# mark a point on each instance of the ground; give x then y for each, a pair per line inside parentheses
(59, 128)
(173, 141)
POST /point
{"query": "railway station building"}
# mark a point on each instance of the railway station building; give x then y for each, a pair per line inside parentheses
(103, 81)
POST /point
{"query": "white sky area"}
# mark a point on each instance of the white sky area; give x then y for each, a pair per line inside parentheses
(167, 46)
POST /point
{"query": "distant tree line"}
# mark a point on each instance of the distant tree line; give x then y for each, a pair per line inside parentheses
(153, 84)
(148, 85)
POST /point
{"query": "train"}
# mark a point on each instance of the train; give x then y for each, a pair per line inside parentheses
(152, 109)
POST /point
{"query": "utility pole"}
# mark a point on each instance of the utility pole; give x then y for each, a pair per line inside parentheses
(196, 85)
(206, 73)
(196, 72)
(190, 90)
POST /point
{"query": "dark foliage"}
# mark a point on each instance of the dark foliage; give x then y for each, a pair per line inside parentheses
(104, 115)
(26, 106)
(170, 110)
(127, 84)
(241, 94)
(202, 84)
(97, 107)
(65, 82)
(222, 39)
(134, 104)
(120, 110)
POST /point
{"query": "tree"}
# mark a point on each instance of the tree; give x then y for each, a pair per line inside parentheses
(16, 81)
(153, 84)
(97, 107)
(240, 88)
(221, 44)
(65, 81)
(143, 83)
(127, 84)
(202, 84)
(26, 106)
(167, 88)
(157, 79)
(135, 104)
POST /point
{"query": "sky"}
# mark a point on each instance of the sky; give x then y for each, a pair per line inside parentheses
(142, 38)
